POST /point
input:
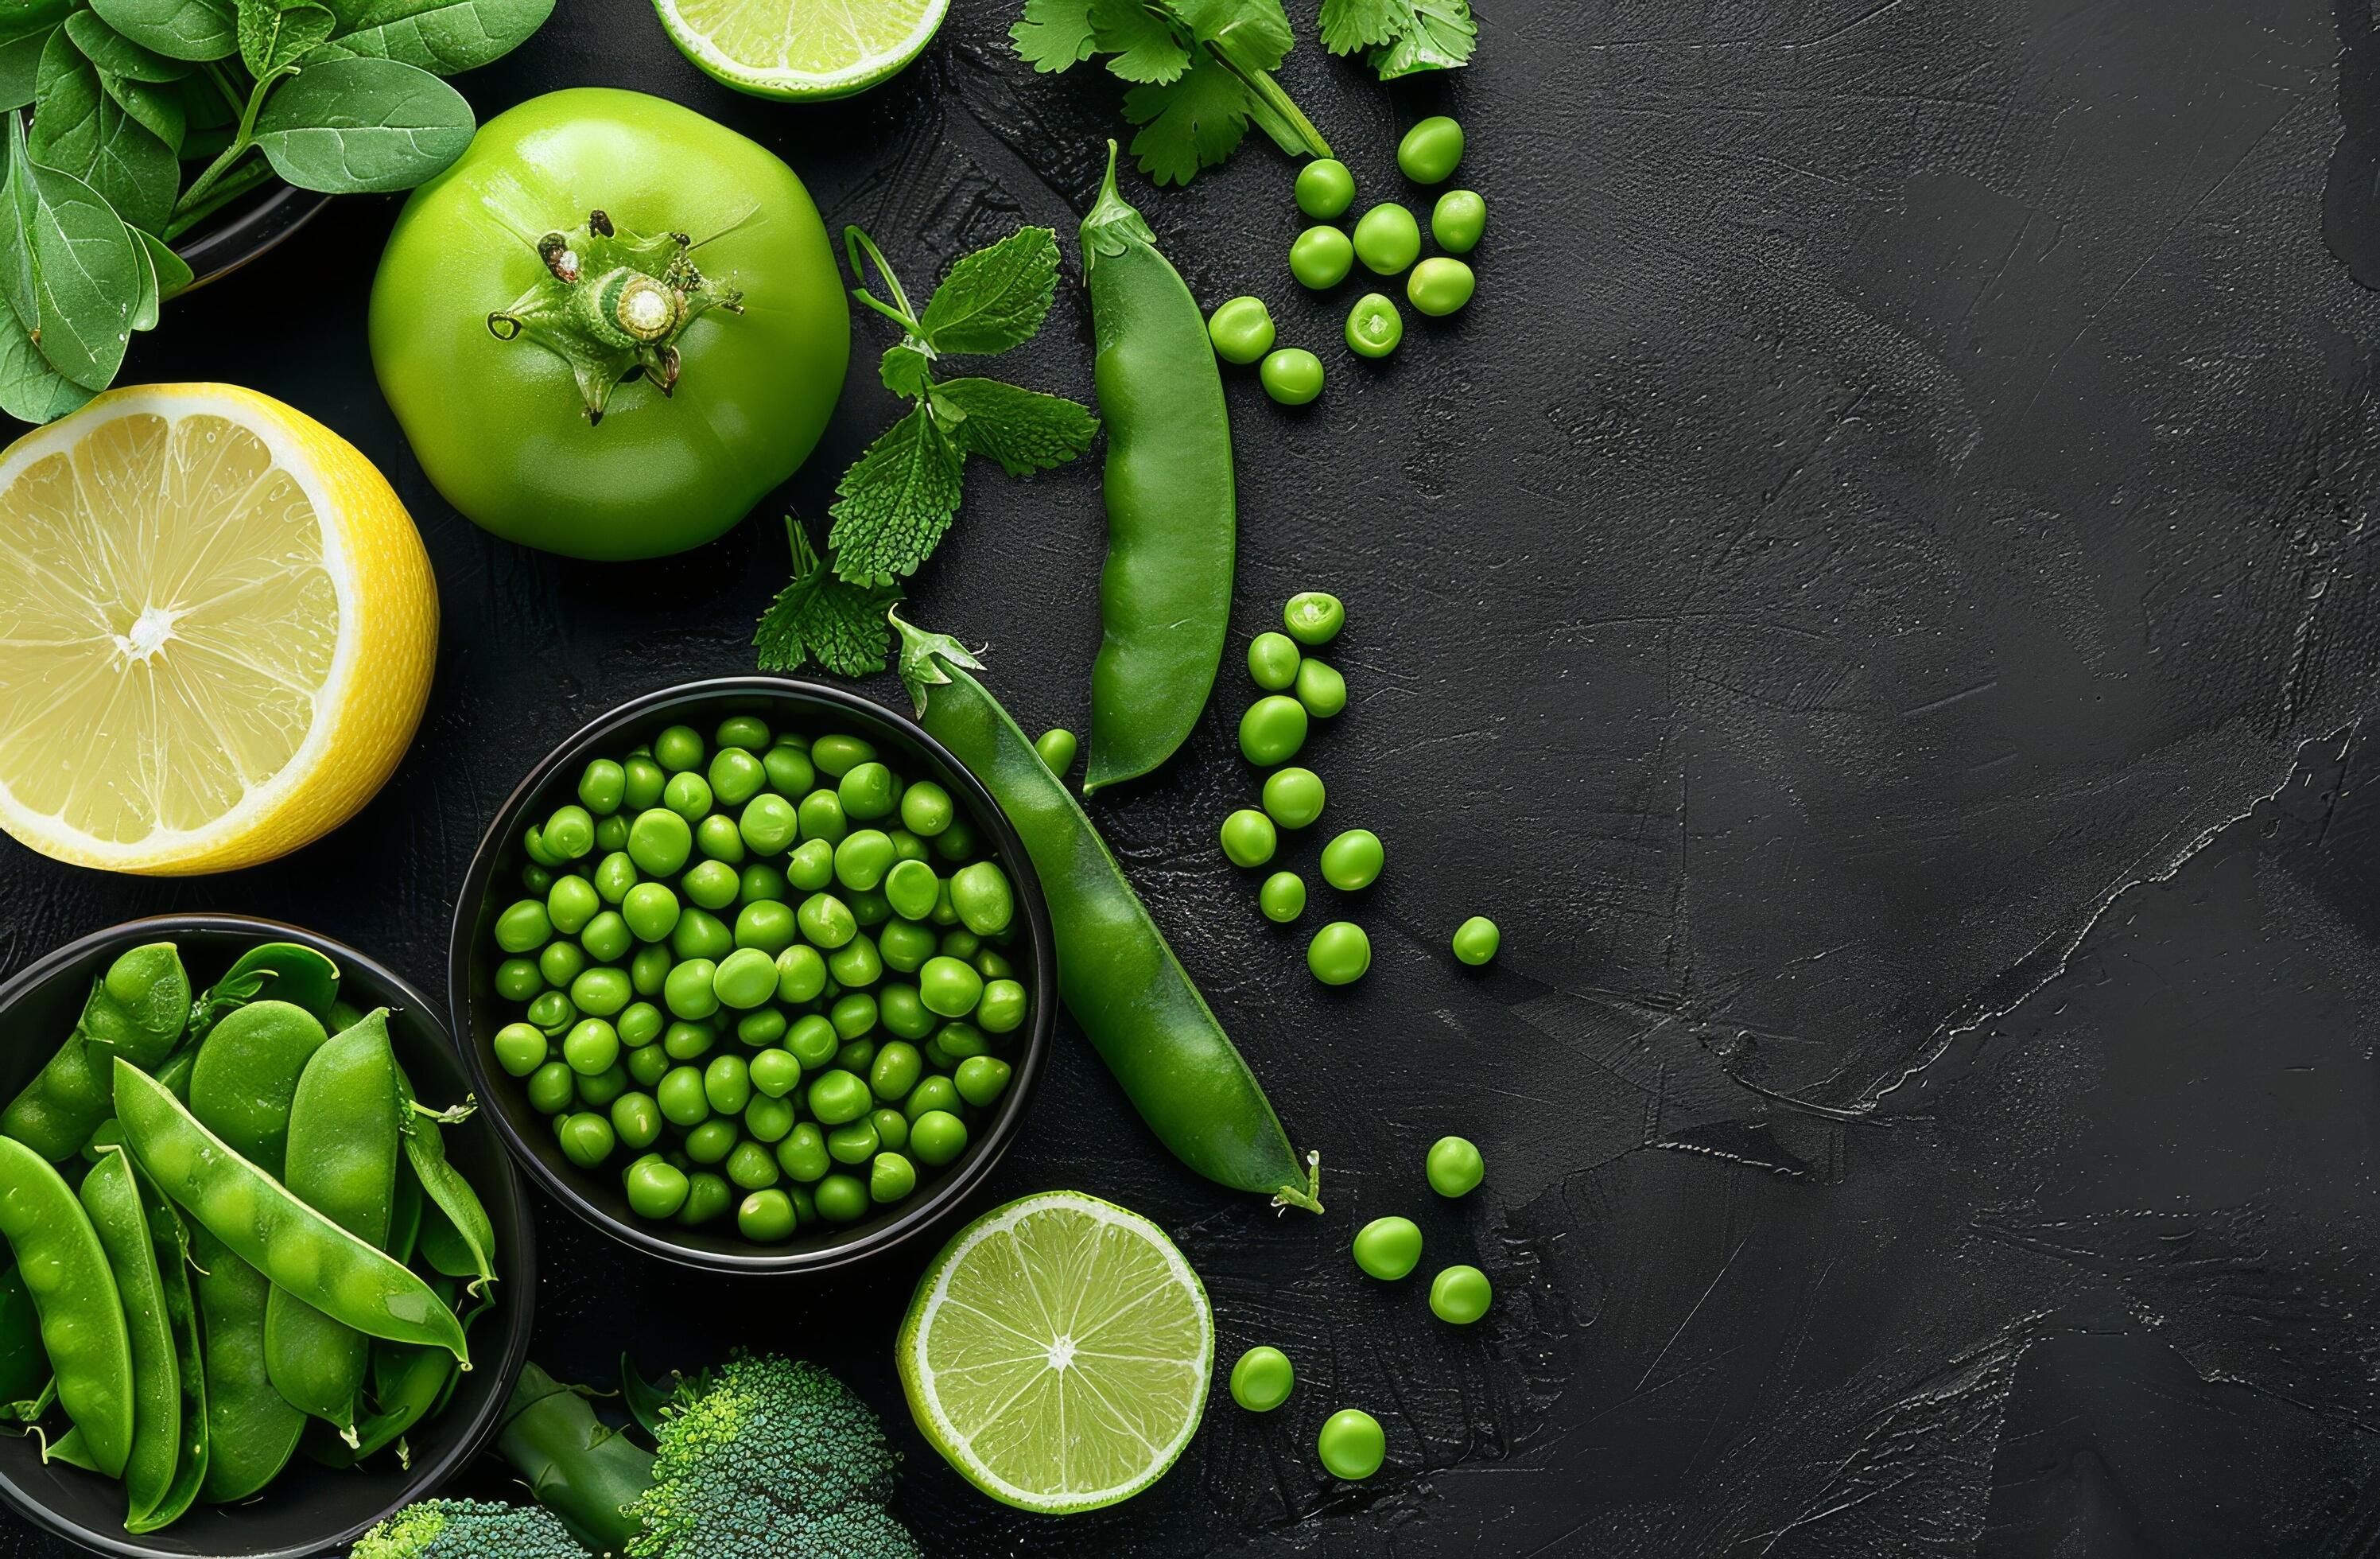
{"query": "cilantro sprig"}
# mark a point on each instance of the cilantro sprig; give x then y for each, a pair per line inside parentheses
(1404, 36)
(1201, 71)
(898, 499)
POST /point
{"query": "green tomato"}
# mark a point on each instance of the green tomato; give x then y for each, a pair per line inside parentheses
(470, 326)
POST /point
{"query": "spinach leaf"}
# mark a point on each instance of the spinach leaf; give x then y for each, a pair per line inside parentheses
(442, 37)
(194, 30)
(31, 390)
(174, 274)
(348, 126)
(275, 33)
(72, 268)
(82, 131)
(117, 55)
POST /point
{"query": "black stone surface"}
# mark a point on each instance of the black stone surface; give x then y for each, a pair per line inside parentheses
(1875, 595)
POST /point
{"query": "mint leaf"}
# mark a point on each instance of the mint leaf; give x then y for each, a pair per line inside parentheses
(1143, 45)
(896, 501)
(996, 298)
(905, 371)
(1053, 34)
(1024, 430)
(1187, 124)
(818, 617)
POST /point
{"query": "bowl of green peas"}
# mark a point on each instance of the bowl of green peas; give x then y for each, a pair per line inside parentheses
(754, 976)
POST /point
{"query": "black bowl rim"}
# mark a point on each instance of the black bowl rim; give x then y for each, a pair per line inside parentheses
(246, 231)
(956, 1185)
(424, 1478)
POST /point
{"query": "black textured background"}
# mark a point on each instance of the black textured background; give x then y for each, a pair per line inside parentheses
(1873, 596)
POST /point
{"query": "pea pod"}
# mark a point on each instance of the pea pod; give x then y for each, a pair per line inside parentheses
(293, 1245)
(1165, 596)
(458, 1237)
(24, 1368)
(252, 1432)
(343, 1151)
(246, 1073)
(288, 971)
(82, 1318)
(112, 1200)
(136, 1010)
(1115, 972)
(170, 1241)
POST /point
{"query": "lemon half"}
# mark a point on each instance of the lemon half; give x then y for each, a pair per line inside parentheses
(217, 627)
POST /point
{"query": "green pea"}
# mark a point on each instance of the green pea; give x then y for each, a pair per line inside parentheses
(1453, 1167)
(1249, 838)
(943, 914)
(1339, 954)
(891, 1178)
(1293, 796)
(863, 859)
(551, 1011)
(569, 833)
(813, 1040)
(550, 1088)
(896, 1070)
(678, 748)
(911, 888)
(1272, 662)
(685, 1040)
(760, 883)
(949, 987)
(1460, 1295)
(533, 846)
(650, 970)
(519, 1049)
(744, 979)
(643, 781)
(891, 1128)
(842, 1199)
(601, 991)
(639, 1023)
(855, 1141)
(1458, 220)
(700, 934)
(1352, 1445)
(765, 1217)
(768, 823)
(611, 834)
(961, 943)
(516, 980)
(600, 1088)
(855, 963)
(681, 1097)
(647, 1067)
(775, 1073)
(933, 1093)
(959, 1039)
(750, 1166)
(1282, 898)
(711, 1142)
(614, 875)
(689, 796)
(1001, 1010)
(1374, 327)
(825, 920)
(937, 1136)
(1056, 748)
(1272, 730)
(1292, 376)
(708, 1198)
(867, 906)
(820, 816)
(1240, 329)
(811, 866)
(524, 927)
(587, 1138)
(656, 1189)
(600, 786)
(690, 992)
(1320, 689)
(658, 842)
(1325, 188)
(736, 776)
(559, 963)
(717, 839)
(570, 903)
(1386, 238)
(650, 909)
(838, 1096)
(592, 1047)
(791, 774)
(983, 898)
(837, 755)
(1430, 150)
(927, 808)
(635, 1121)
(1262, 1379)
(1320, 258)
(767, 1118)
(1476, 940)
(867, 791)
(766, 926)
(1389, 1248)
(1440, 286)
(801, 975)
(902, 1012)
(727, 1084)
(1313, 617)
(748, 732)
(1353, 860)
(606, 937)
(981, 1080)
(803, 1153)
(854, 1016)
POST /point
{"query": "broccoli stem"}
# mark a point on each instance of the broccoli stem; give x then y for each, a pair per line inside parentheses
(577, 1465)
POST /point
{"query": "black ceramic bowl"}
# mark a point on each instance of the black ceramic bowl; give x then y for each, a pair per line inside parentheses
(310, 1509)
(248, 228)
(595, 1195)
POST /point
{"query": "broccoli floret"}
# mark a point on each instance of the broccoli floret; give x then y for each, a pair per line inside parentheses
(468, 1530)
(765, 1457)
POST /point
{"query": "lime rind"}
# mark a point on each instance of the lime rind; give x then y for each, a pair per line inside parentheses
(1058, 1353)
(813, 50)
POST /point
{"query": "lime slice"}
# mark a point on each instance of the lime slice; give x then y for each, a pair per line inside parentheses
(801, 48)
(1057, 1353)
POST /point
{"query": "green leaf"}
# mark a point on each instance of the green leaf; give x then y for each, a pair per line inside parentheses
(1349, 25)
(442, 37)
(1024, 430)
(1191, 124)
(31, 390)
(896, 501)
(1441, 38)
(1053, 34)
(80, 129)
(820, 617)
(117, 55)
(192, 30)
(1144, 43)
(163, 273)
(348, 126)
(1255, 32)
(904, 372)
(23, 34)
(274, 33)
(71, 268)
(996, 298)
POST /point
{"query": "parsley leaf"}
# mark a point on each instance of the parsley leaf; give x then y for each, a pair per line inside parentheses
(1024, 430)
(996, 298)
(818, 617)
(1053, 34)
(1404, 36)
(896, 501)
(1142, 41)
(1194, 123)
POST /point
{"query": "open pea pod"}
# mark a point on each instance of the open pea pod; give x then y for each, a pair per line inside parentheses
(288, 971)
(458, 1237)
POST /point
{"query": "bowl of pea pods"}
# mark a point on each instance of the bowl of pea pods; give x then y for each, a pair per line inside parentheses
(269, 1276)
(754, 976)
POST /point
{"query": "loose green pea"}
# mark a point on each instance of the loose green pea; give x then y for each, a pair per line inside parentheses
(767, 925)
(825, 920)
(768, 823)
(651, 911)
(1292, 376)
(639, 1023)
(1056, 748)
(1476, 939)
(1453, 1167)
(1249, 838)
(717, 839)
(1262, 1379)
(855, 963)
(551, 1011)
(983, 898)
(701, 934)
(727, 1084)
(949, 987)
(789, 771)
(842, 1199)
(957, 842)
(1321, 257)
(681, 1097)
(836, 755)
(1320, 689)
(744, 979)
(853, 1142)
(904, 945)
(611, 834)
(708, 1197)
(854, 1018)
(598, 1089)
(838, 1096)
(902, 1012)
(1460, 1295)
(867, 792)
(586, 1139)
(600, 786)
(1001, 1009)
(927, 808)
(1430, 150)
(1389, 1248)
(937, 1136)
(748, 732)
(690, 992)
(689, 796)
(606, 937)
(736, 776)
(647, 1067)
(687, 1039)
(592, 1047)
(811, 866)
(1386, 238)
(569, 833)
(551, 1087)
(1325, 188)
(958, 1041)
(863, 859)
(524, 928)
(603, 992)
(936, 1092)
(812, 1040)
(765, 1216)
(516, 980)
(711, 1142)
(981, 1079)
(521, 1049)
(1272, 662)
(1282, 898)
(678, 748)
(775, 1073)
(642, 784)
(1272, 730)
(1293, 796)
(1439, 286)
(820, 816)
(660, 841)
(615, 874)
(656, 1189)
(1374, 327)
(767, 1118)
(648, 969)
(759, 882)
(1352, 1445)
(803, 1153)
(635, 1121)
(559, 963)
(1458, 220)
(890, 1177)
(1339, 954)
(1314, 617)
(911, 887)
(571, 903)
(1353, 860)
(1240, 329)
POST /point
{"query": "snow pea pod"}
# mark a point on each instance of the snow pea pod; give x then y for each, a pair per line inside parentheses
(296, 1246)
(246, 1073)
(1115, 972)
(252, 1432)
(458, 1237)
(82, 1318)
(288, 971)
(1165, 595)
(170, 1241)
(342, 1151)
(136, 1010)
(112, 1200)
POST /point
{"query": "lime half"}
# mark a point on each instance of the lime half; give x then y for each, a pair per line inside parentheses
(801, 48)
(1057, 1353)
